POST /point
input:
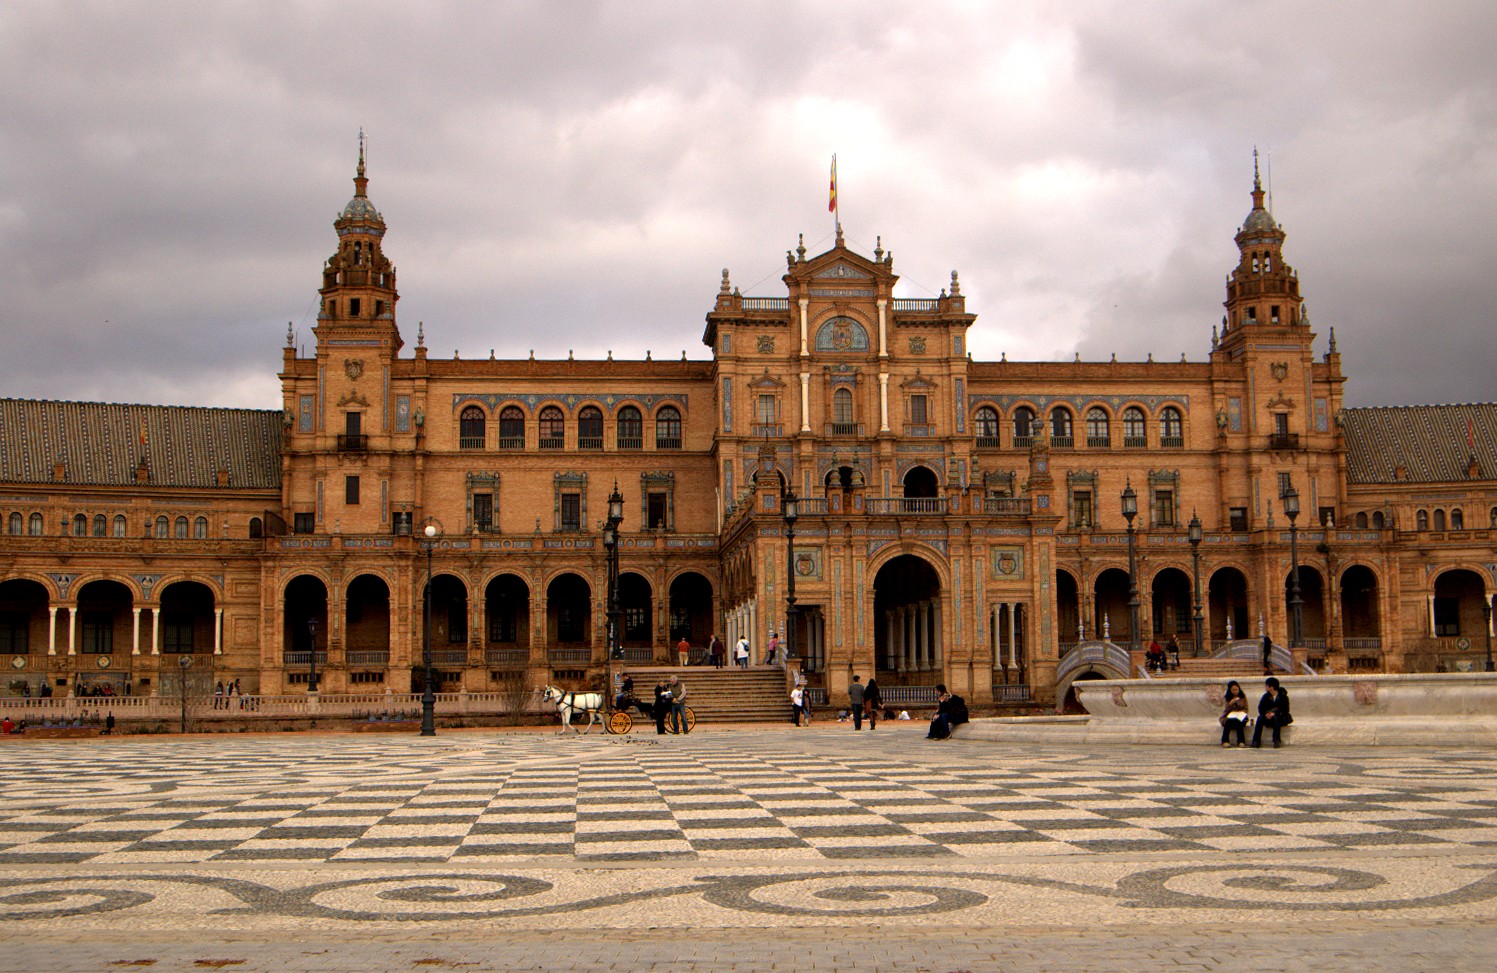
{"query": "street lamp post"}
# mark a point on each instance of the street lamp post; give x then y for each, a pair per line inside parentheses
(1296, 614)
(1195, 554)
(312, 656)
(1130, 510)
(611, 545)
(428, 697)
(791, 512)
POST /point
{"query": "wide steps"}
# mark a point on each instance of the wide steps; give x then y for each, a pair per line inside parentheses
(1238, 669)
(723, 695)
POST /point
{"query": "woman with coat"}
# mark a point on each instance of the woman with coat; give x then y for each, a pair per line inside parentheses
(1234, 716)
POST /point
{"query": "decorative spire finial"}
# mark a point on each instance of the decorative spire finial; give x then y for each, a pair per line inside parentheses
(420, 334)
(839, 234)
(1332, 348)
(800, 248)
(360, 181)
(878, 248)
(956, 286)
(727, 285)
(290, 336)
(1257, 183)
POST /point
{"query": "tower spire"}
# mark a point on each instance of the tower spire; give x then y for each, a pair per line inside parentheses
(360, 181)
(1257, 182)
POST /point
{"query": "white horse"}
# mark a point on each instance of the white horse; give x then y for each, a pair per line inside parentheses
(569, 702)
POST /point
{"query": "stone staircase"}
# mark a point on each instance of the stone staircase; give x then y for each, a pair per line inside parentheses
(1211, 668)
(756, 695)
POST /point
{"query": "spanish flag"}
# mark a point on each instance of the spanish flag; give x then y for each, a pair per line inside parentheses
(831, 204)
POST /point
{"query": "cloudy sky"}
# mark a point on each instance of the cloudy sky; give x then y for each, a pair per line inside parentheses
(573, 177)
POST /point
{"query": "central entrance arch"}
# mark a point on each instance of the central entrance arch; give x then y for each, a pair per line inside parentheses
(907, 627)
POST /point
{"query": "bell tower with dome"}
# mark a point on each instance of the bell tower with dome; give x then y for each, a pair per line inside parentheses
(358, 281)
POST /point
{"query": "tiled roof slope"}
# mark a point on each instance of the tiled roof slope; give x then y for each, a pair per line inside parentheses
(1432, 442)
(100, 443)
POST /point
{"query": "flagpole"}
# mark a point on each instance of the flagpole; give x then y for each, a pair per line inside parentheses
(834, 205)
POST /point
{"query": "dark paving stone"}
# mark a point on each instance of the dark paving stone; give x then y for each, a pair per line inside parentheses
(521, 827)
(887, 851)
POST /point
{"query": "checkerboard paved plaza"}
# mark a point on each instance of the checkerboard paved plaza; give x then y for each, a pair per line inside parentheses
(739, 849)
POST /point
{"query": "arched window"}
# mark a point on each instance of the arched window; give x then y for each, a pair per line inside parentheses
(1457, 519)
(16, 518)
(511, 428)
(119, 525)
(1098, 433)
(1061, 432)
(471, 428)
(987, 426)
(1360, 522)
(101, 525)
(1377, 519)
(1492, 517)
(181, 526)
(631, 428)
(553, 428)
(1171, 428)
(200, 528)
(1439, 520)
(256, 527)
(1135, 430)
(1421, 520)
(34, 525)
(842, 420)
(668, 428)
(1023, 426)
(80, 525)
(590, 428)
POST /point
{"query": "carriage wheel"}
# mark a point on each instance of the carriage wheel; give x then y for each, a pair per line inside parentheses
(619, 722)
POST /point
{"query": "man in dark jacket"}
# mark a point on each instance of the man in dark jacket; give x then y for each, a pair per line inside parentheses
(1273, 712)
(855, 698)
(873, 701)
(950, 711)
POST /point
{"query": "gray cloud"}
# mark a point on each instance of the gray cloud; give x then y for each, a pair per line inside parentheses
(574, 177)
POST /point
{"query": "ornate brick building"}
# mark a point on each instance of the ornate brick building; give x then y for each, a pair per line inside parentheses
(958, 521)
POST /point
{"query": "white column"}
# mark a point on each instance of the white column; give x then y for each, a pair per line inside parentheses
(218, 631)
(1489, 615)
(996, 628)
(883, 401)
(883, 328)
(135, 632)
(804, 325)
(155, 631)
(1013, 643)
(922, 636)
(73, 629)
(51, 629)
(1431, 614)
(937, 655)
(805, 401)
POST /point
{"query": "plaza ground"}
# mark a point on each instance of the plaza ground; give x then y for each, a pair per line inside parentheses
(740, 849)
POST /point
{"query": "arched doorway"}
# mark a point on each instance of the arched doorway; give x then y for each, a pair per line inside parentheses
(366, 632)
(507, 607)
(1067, 607)
(1361, 626)
(1171, 605)
(1459, 596)
(1227, 595)
(449, 634)
(303, 628)
(188, 624)
(1110, 607)
(691, 610)
(569, 611)
(1312, 604)
(920, 482)
(23, 633)
(907, 630)
(637, 601)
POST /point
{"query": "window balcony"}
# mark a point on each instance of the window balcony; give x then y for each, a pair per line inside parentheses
(1012, 506)
(511, 442)
(589, 442)
(352, 442)
(1063, 442)
(1171, 442)
(987, 442)
(665, 442)
(470, 442)
(631, 442)
(369, 657)
(1098, 442)
(923, 429)
(1135, 442)
(1022, 442)
(906, 505)
(553, 442)
(846, 429)
(506, 657)
(1283, 440)
(765, 430)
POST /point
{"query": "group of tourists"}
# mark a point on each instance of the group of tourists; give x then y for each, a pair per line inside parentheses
(1273, 714)
(717, 652)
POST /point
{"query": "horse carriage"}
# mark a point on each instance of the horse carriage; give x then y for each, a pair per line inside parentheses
(599, 707)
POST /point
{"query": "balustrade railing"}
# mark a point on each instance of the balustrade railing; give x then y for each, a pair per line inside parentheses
(574, 656)
(506, 657)
(1016, 506)
(906, 505)
(369, 657)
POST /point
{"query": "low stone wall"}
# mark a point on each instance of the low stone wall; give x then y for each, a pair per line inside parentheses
(1436, 709)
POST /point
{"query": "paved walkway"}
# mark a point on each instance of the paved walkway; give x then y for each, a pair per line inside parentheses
(752, 849)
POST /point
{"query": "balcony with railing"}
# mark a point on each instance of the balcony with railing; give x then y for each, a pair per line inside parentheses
(1283, 440)
(988, 442)
(766, 303)
(1063, 442)
(506, 657)
(922, 429)
(845, 429)
(1023, 442)
(765, 430)
(352, 442)
(1171, 442)
(668, 442)
(449, 657)
(369, 657)
(574, 656)
(303, 658)
(914, 304)
(553, 442)
(511, 442)
(470, 442)
(589, 442)
(1006, 506)
(1135, 442)
(631, 442)
(1098, 442)
(906, 505)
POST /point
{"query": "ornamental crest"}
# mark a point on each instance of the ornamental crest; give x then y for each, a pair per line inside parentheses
(1008, 562)
(766, 344)
(353, 367)
(917, 345)
(1280, 370)
(841, 336)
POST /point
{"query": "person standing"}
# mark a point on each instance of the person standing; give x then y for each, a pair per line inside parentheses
(1267, 654)
(856, 695)
(1273, 712)
(683, 651)
(662, 706)
(774, 649)
(872, 702)
(109, 724)
(718, 651)
(741, 652)
(678, 706)
(797, 703)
